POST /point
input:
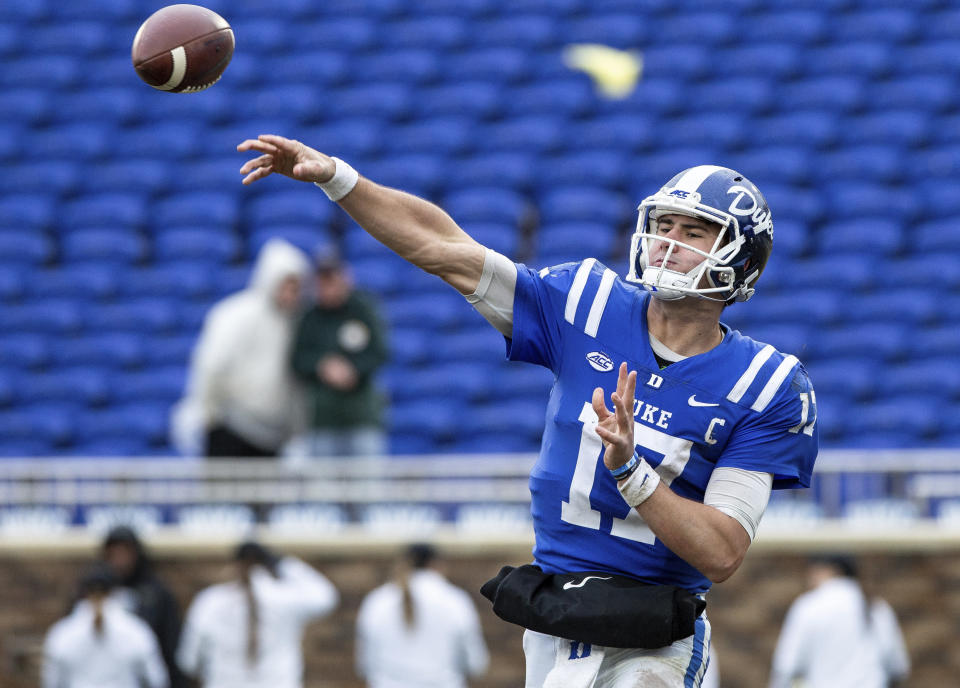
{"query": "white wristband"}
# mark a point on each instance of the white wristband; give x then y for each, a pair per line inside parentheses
(640, 485)
(341, 183)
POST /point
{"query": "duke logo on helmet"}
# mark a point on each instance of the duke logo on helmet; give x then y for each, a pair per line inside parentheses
(730, 269)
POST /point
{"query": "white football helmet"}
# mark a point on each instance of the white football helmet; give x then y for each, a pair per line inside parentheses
(731, 267)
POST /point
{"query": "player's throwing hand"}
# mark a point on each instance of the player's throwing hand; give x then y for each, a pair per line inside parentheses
(616, 428)
(287, 157)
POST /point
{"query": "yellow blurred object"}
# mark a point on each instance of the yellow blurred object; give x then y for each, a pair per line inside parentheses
(615, 72)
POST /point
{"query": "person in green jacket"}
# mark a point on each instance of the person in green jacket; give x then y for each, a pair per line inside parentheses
(338, 347)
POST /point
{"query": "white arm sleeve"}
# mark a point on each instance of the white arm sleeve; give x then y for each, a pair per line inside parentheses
(740, 494)
(493, 297)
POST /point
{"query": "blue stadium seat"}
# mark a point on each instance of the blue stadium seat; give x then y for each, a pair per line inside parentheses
(837, 94)
(476, 99)
(435, 311)
(737, 95)
(861, 232)
(870, 162)
(44, 176)
(409, 345)
(517, 30)
(58, 316)
(130, 10)
(863, 200)
(597, 168)
(442, 135)
(502, 238)
(813, 306)
(13, 276)
(684, 62)
(621, 30)
(795, 203)
(82, 384)
(525, 134)
(102, 350)
(708, 128)
(103, 244)
(472, 346)
(912, 417)
(912, 308)
(773, 164)
(437, 32)
(487, 204)
(24, 351)
(28, 212)
(294, 206)
(866, 58)
(774, 59)
(889, 25)
(145, 175)
(892, 127)
(27, 247)
(164, 140)
(436, 419)
(568, 96)
(390, 100)
(930, 93)
(196, 243)
(810, 128)
(319, 69)
(28, 106)
(585, 203)
(262, 35)
(109, 105)
(943, 24)
(879, 341)
(940, 234)
(789, 338)
(850, 272)
(516, 170)
(356, 136)
(196, 209)
(350, 34)
(54, 71)
(498, 64)
(190, 279)
(286, 101)
(702, 27)
(171, 349)
(567, 241)
(799, 27)
(50, 425)
(417, 173)
(163, 384)
(106, 210)
(106, 447)
(147, 421)
(147, 315)
(522, 381)
(470, 382)
(657, 95)
(410, 65)
(215, 106)
(935, 378)
(506, 417)
(303, 236)
(940, 270)
(850, 379)
(211, 174)
(94, 280)
(633, 132)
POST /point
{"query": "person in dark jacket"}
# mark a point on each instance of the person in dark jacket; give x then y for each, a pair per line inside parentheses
(339, 345)
(144, 594)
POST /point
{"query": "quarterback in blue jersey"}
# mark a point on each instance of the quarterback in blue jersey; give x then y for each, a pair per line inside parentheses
(666, 485)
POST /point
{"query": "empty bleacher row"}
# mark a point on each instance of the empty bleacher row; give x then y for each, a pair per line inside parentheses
(122, 218)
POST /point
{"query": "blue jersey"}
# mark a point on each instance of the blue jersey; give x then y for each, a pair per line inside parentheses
(742, 404)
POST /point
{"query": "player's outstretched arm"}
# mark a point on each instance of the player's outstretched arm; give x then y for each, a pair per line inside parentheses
(414, 228)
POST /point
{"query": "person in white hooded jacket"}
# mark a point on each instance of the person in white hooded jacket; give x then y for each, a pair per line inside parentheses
(242, 398)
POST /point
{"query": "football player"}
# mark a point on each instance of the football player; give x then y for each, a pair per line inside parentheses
(667, 485)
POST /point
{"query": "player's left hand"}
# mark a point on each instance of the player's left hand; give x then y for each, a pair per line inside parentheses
(616, 428)
(287, 157)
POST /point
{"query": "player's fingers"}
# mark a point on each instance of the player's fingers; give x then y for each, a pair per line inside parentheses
(257, 145)
(623, 416)
(278, 142)
(258, 173)
(630, 393)
(622, 378)
(599, 407)
(261, 161)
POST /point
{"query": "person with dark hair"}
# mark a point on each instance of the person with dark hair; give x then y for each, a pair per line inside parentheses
(339, 345)
(100, 644)
(835, 636)
(142, 592)
(419, 630)
(248, 632)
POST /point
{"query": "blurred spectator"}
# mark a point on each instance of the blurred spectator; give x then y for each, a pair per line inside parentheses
(339, 345)
(241, 398)
(140, 591)
(248, 632)
(419, 630)
(100, 644)
(835, 637)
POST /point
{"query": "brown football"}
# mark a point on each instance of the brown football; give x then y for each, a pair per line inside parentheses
(182, 48)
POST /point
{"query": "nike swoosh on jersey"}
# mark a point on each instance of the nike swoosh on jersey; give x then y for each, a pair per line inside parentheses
(571, 584)
(693, 401)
